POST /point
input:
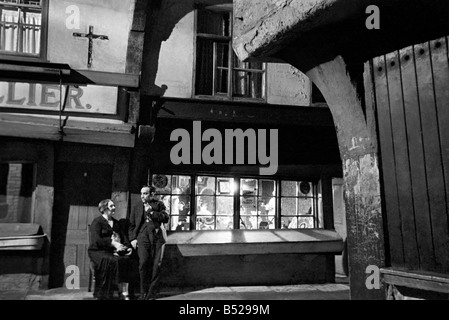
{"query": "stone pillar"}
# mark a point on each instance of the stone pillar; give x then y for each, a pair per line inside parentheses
(343, 87)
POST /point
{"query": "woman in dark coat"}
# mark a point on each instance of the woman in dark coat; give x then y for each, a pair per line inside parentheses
(110, 257)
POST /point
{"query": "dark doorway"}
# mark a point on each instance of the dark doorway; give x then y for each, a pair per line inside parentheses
(79, 188)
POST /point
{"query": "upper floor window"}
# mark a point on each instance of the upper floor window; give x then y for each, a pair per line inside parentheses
(21, 27)
(219, 73)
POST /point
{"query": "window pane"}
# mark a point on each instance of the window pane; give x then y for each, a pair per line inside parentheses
(305, 223)
(21, 27)
(305, 189)
(225, 223)
(248, 205)
(166, 199)
(225, 186)
(267, 207)
(162, 183)
(289, 222)
(246, 65)
(222, 81)
(248, 222)
(289, 188)
(180, 211)
(205, 205)
(223, 55)
(266, 222)
(288, 206)
(267, 188)
(205, 223)
(16, 189)
(248, 187)
(205, 186)
(248, 84)
(225, 206)
(182, 225)
(217, 23)
(204, 67)
(305, 206)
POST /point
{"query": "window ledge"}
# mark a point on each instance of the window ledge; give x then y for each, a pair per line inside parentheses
(252, 242)
(21, 236)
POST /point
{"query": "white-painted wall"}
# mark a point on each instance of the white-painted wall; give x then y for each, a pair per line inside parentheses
(285, 84)
(108, 17)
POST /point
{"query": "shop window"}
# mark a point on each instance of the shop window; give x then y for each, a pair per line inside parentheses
(174, 191)
(22, 27)
(257, 204)
(298, 203)
(225, 203)
(215, 203)
(219, 73)
(16, 190)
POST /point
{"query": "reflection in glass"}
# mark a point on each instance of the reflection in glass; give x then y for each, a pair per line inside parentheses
(205, 186)
(225, 222)
(205, 223)
(205, 206)
(248, 187)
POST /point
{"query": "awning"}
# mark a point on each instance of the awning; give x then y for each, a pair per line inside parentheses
(56, 73)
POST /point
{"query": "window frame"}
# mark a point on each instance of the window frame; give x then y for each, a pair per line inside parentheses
(42, 56)
(192, 217)
(315, 201)
(230, 96)
(33, 182)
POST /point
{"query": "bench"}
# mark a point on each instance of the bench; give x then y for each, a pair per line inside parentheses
(419, 280)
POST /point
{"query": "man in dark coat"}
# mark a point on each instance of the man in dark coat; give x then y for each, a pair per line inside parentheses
(146, 235)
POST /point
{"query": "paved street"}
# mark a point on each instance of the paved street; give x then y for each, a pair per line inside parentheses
(293, 292)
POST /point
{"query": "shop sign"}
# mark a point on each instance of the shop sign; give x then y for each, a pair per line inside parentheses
(81, 99)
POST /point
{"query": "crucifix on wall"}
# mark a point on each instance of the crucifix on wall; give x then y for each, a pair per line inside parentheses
(91, 36)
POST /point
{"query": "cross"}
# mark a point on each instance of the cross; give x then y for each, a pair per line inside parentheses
(91, 36)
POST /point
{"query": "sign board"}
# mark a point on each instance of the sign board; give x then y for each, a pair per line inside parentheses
(95, 100)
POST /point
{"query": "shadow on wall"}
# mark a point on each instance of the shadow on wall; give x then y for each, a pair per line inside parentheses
(162, 18)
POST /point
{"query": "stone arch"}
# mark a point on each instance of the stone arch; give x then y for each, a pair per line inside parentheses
(346, 90)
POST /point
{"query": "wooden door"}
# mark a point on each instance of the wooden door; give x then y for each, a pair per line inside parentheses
(78, 190)
(412, 99)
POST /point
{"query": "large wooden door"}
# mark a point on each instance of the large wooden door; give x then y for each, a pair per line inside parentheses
(78, 190)
(412, 95)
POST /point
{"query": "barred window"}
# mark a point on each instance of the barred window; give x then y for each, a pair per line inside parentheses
(21, 27)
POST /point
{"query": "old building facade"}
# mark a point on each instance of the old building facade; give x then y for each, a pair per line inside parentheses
(98, 99)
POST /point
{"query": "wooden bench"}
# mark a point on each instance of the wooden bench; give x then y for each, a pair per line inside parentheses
(420, 280)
